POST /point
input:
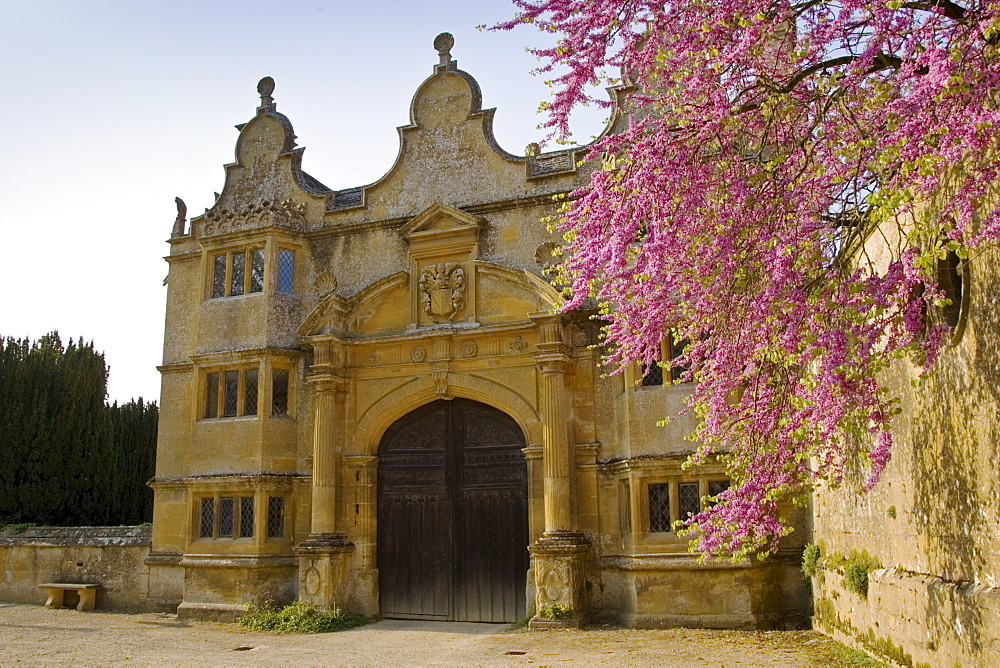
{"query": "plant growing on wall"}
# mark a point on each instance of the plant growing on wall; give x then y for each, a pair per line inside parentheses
(771, 144)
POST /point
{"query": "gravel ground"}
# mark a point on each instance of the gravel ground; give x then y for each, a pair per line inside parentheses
(32, 634)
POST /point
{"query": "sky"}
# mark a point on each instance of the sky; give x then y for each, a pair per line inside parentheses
(115, 108)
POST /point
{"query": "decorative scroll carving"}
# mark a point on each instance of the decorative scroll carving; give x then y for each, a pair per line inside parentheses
(442, 290)
(285, 214)
(440, 377)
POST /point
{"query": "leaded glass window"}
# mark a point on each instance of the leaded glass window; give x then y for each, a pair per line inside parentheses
(250, 392)
(676, 350)
(286, 270)
(652, 374)
(688, 499)
(246, 516)
(231, 394)
(212, 395)
(227, 510)
(256, 270)
(717, 487)
(279, 392)
(219, 276)
(275, 516)
(207, 528)
(659, 507)
(238, 274)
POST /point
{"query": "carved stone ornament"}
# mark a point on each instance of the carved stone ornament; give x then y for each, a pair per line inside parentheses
(442, 290)
(440, 377)
(313, 581)
(418, 354)
(286, 214)
(373, 358)
(518, 345)
(581, 338)
(469, 349)
(326, 283)
(545, 254)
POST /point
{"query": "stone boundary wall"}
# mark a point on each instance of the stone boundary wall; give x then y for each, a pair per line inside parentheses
(911, 619)
(113, 557)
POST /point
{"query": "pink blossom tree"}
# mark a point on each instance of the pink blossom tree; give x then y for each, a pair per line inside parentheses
(772, 146)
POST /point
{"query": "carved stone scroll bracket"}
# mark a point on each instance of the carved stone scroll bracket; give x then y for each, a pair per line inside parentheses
(561, 584)
(440, 377)
(324, 570)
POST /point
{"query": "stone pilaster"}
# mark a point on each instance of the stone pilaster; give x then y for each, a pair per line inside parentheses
(559, 555)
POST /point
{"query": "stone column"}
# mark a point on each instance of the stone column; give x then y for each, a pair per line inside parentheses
(328, 413)
(559, 555)
(324, 558)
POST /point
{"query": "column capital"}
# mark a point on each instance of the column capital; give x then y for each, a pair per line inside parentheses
(327, 382)
(553, 358)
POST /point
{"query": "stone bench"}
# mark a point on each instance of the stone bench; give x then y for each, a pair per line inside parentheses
(55, 590)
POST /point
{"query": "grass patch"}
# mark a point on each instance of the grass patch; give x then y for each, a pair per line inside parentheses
(300, 617)
(836, 654)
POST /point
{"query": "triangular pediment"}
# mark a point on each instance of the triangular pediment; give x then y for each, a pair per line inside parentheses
(440, 220)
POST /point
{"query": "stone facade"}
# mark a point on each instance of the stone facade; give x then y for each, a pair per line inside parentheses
(930, 530)
(303, 322)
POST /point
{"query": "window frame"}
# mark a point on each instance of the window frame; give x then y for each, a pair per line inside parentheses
(250, 252)
(659, 373)
(215, 499)
(221, 374)
(674, 482)
(289, 392)
(278, 274)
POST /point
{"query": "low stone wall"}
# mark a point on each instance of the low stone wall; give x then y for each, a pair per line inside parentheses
(669, 591)
(113, 557)
(912, 619)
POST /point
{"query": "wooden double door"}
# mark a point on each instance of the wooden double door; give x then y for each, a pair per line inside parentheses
(452, 515)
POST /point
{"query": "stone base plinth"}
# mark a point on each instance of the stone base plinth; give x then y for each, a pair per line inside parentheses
(559, 561)
(324, 565)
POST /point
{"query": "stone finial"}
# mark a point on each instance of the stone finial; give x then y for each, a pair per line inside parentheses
(265, 87)
(443, 44)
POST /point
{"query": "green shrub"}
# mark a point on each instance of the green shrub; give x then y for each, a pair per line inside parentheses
(300, 617)
(810, 559)
(558, 612)
(856, 577)
(17, 528)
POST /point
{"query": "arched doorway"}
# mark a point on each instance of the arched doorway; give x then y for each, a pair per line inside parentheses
(452, 515)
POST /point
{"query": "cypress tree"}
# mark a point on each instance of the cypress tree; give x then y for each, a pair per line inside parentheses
(133, 428)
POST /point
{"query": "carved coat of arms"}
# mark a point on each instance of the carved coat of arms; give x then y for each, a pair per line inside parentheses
(442, 290)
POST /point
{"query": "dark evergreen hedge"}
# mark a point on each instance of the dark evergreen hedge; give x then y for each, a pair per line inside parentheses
(66, 457)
